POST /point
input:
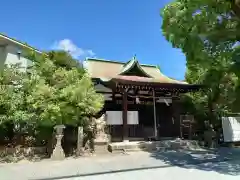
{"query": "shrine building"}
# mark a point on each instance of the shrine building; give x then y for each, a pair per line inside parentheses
(140, 101)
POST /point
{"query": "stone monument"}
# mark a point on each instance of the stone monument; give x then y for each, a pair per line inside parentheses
(80, 149)
(209, 137)
(101, 138)
(58, 153)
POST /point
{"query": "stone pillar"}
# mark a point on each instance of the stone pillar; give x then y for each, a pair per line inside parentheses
(80, 150)
(58, 153)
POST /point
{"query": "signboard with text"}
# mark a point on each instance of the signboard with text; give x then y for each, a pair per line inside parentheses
(231, 129)
(115, 117)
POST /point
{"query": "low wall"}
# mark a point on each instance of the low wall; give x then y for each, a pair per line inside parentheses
(23, 150)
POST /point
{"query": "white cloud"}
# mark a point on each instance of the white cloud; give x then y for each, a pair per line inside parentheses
(73, 49)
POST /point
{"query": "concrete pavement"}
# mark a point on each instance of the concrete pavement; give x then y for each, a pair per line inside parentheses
(173, 164)
(170, 173)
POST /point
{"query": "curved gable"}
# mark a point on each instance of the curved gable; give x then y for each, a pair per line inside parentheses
(133, 67)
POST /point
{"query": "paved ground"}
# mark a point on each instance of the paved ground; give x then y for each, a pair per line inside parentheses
(223, 164)
(171, 173)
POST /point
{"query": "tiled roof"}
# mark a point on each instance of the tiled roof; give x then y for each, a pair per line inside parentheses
(105, 69)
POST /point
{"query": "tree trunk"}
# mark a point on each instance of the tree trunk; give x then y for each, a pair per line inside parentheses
(236, 7)
(211, 110)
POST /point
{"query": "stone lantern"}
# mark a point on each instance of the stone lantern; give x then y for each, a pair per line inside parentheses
(58, 153)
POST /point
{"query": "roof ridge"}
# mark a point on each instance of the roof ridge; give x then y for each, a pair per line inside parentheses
(105, 60)
(118, 62)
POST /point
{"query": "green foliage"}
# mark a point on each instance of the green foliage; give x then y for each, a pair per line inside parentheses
(48, 93)
(185, 20)
(208, 32)
(11, 95)
(219, 94)
(62, 96)
(64, 59)
(202, 29)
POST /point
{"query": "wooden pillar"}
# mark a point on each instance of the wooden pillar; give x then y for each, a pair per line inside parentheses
(176, 115)
(154, 115)
(124, 116)
(114, 96)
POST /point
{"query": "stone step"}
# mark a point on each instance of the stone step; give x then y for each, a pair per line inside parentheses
(151, 146)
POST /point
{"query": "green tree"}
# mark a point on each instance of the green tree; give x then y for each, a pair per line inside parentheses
(14, 117)
(12, 95)
(61, 91)
(64, 59)
(45, 95)
(207, 31)
(61, 96)
(185, 21)
(202, 29)
(218, 95)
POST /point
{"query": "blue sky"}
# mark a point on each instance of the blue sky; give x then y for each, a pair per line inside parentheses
(107, 29)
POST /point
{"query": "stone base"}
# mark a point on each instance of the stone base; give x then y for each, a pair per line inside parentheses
(152, 145)
(80, 152)
(129, 146)
(101, 147)
(58, 153)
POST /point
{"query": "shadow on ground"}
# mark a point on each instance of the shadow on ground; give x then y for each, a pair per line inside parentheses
(223, 160)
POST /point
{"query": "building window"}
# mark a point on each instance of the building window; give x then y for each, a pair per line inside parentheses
(19, 52)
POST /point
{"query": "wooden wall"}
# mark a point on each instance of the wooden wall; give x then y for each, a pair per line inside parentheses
(167, 121)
